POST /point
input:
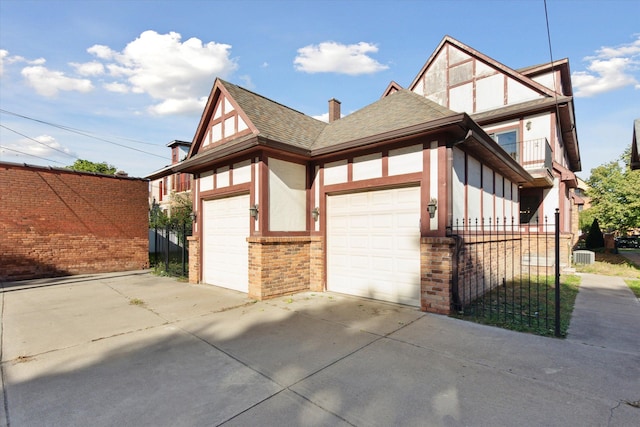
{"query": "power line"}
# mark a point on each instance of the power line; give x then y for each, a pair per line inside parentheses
(39, 142)
(553, 73)
(83, 133)
(69, 128)
(27, 154)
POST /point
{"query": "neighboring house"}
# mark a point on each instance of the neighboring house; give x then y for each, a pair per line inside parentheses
(164, 182)
(365, 204)
(580, 196)
(635, 157)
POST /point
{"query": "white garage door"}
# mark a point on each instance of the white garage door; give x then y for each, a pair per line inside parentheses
(225, 256)
(373, 244)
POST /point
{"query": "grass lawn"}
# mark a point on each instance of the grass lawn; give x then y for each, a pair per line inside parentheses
(615, 265)
(634, 285)
(526, 306)
(611, 265)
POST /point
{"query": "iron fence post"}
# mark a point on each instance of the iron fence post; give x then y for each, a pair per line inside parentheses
(184, 247)
(557, 293)
(167, 247)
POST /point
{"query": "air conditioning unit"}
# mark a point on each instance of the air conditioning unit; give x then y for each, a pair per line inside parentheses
(584, 257)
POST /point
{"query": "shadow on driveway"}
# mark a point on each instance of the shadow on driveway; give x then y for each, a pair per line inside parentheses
(200, 355)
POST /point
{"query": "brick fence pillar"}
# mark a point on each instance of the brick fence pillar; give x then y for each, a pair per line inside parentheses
(436, 259)
(194, 259)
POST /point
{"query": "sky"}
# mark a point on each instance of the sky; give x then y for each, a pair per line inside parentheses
(117, 80)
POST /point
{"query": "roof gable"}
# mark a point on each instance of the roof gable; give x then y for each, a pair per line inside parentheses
(234, 114)
(222, 120)
(463, 79)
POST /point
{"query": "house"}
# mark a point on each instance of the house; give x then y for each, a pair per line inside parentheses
(164, 182)
(366, 204)
(635, 157)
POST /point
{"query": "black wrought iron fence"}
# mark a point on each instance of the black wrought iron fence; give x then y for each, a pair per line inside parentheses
(508, 272)
(168, 249)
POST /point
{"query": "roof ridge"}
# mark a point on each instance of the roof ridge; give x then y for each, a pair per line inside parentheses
(225, 83)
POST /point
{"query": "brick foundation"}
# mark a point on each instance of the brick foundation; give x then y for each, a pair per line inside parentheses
(283, 265)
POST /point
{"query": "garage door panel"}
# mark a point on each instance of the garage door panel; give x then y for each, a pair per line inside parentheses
(378, 254)
(225, 249)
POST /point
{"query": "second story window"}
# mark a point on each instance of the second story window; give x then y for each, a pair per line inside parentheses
(508, 140)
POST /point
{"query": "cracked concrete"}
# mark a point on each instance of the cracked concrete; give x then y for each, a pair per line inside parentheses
(201, 355)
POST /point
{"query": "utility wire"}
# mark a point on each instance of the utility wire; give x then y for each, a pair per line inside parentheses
(39, 142)
(80, 132)
(27, 154)
(71, 129)
(553, 73)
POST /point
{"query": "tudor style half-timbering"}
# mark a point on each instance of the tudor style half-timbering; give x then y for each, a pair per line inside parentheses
(529, 112)
(364, 204)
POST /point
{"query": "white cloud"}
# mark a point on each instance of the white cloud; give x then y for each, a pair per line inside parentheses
(48, 82)
(3, 55)
(116, 87)
(331, 57)
(93, 68)
(42, 146)
(176, 106)
(6, 59)
(247, 82)
(610, 69)
(175, 73)
(101, 51)
(322, 117)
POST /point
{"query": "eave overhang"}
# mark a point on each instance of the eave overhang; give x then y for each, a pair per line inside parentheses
(479, 144)
(236, 148)
(438, 125)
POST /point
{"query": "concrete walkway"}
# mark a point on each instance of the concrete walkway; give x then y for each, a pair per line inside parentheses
(134, 349)
(606, 314)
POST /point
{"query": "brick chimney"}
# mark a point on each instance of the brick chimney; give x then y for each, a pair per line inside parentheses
(334, 110)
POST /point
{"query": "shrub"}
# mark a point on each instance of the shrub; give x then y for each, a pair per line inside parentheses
(595, 239)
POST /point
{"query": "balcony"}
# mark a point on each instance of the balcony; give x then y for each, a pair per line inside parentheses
(536, 158)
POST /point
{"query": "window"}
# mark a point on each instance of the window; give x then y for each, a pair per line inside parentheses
(508, 141)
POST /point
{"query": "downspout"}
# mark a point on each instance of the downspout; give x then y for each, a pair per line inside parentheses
(455, 291)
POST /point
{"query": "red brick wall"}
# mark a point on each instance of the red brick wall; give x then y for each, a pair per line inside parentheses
(283, 265)
(194, 259)
(55, 222)
(436, 259)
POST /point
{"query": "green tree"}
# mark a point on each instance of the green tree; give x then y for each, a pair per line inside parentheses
(615, 195)
(88, 166)
(179, 212)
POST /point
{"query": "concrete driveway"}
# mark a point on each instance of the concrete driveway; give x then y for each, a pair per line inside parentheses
(136, 349)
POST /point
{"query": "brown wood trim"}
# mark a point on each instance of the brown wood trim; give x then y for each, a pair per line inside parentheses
(445, 207)
(385, 162)
(283, 239)
(288, 234)
(425, 190)
(375, 183)
(231, 190)
(263, 202)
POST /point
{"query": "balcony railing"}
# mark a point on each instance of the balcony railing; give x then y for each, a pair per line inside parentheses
(533, 155)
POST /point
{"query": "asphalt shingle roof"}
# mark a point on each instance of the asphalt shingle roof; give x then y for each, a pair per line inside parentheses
(276, 121)
(280, 123)
(396, 111)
